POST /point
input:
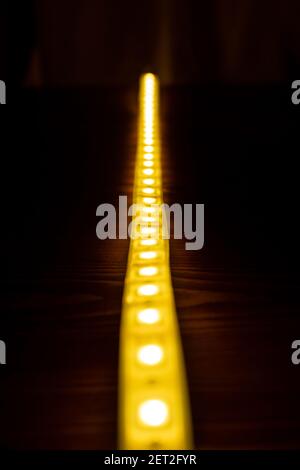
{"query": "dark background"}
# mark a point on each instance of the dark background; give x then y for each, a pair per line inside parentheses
(78, 42)
(230, 141)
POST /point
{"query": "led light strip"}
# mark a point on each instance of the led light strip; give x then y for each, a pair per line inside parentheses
(153, 401)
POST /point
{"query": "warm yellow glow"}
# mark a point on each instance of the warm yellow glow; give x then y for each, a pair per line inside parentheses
(148, 219)
(151, 354)
(153, 400)
(148, 190)
(149, 316)
(149, 149)
(153, 412)
(149, 181)
(148, 289)
(149, 164)
(148, 231)
(148, 242)
(148, 255)
(149, 200)
(148, 271)
(148, 171)
(150, 210)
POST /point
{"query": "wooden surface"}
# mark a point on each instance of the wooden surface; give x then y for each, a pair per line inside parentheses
(61, 289)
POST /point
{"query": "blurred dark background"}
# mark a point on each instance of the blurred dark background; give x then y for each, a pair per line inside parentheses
(88, 42)
(230, 138)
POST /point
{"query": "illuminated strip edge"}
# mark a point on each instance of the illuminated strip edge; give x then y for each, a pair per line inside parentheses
(154, 408)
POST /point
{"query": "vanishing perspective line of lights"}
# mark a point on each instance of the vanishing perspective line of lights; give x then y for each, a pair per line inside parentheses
(153, 400)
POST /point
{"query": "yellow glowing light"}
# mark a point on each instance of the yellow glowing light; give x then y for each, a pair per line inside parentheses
(150, 209)
(149, 181)
(151, 354)
(149, 242)
(148, 290)
(153, 399)
(148, 230)
(153, 412)
(148, 190)
(148, 271)
(148, 255)
(149, 316)
(148, 219)
(149, 200)
(148, 171)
